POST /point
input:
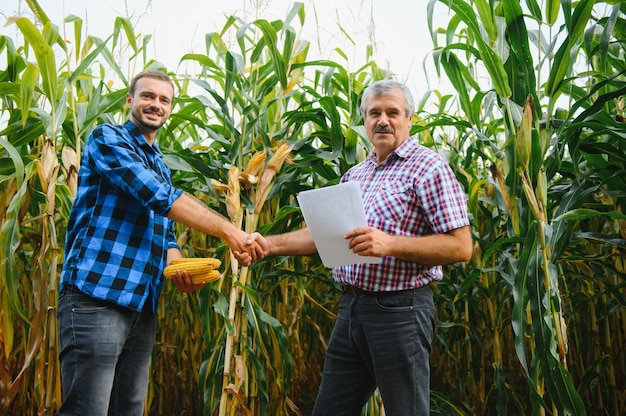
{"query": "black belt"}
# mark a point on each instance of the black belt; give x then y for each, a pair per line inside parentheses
(70, 288)
(357, 292)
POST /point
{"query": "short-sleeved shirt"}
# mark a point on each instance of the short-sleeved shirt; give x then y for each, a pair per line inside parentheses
(412, 193)
(118, 231)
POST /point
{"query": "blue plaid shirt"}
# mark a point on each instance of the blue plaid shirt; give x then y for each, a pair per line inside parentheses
(412, 193)
(118, 231)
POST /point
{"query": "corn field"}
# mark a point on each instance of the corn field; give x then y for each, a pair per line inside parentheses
(535, 131)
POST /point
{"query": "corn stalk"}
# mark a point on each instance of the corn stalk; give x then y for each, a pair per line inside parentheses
(526, 173)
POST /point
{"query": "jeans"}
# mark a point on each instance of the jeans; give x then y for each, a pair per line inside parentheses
(105, 352)
(379, 341)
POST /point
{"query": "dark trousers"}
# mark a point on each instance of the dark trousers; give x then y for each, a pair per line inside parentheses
(379, 341)
(105, 353)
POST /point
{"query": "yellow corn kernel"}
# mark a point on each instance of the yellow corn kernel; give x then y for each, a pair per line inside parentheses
(209, 261)
(191, 269)
(208, 277)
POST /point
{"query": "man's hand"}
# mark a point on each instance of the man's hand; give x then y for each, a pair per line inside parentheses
(429, 250)
(255, 248)
(369, 241)
(183, 282)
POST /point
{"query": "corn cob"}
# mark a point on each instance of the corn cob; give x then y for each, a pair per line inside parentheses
(208, 277)
(215, 263)
(200, 270)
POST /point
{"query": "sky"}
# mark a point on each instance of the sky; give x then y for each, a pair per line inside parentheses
(398, 29)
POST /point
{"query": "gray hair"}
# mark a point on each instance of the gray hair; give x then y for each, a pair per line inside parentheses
(387, 86)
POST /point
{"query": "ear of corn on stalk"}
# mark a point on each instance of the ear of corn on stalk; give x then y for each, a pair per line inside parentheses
(201, 270)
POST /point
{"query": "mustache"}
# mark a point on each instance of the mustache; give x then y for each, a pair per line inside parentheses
(153, 110)
(383, 129)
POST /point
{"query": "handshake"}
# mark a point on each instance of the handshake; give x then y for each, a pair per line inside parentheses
(252, 248)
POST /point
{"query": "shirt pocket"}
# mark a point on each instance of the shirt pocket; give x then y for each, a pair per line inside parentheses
(390, 202)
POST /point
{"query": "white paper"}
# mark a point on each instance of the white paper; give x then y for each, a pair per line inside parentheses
(331, 212)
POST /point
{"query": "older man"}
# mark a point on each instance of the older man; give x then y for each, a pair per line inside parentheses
(417, 222)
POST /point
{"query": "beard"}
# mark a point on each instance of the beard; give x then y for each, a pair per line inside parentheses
(144, 123)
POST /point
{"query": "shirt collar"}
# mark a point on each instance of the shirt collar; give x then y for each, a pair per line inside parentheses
(140, 140)
(401, 151)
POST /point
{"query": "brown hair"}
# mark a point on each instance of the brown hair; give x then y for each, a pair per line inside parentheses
(150, 74)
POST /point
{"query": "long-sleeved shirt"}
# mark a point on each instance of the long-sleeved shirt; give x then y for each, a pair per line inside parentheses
(412, 193)
(118, 231)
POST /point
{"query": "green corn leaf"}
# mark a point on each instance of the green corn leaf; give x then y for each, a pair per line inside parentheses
(23, 135)
(562, 59)
(584, 214)
(129, 30)
(111, 61)
(607, 32)
(9, 233)
(519, 321)
(336, 134)
(78, 32)
(533, 8)
(15, 62)
(270, 37)
(485, 11)
(221, 308)
(552, 11)
(44, 55)
(557, 379)
(520, 65)
(27, 88)
(85, 64)
(464, 11)
(454, 70)
(491, 60)
(494, 66)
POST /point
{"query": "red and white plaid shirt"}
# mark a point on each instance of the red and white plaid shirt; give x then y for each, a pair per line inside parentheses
(412, 193)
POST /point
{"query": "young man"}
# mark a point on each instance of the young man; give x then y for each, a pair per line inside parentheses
(120, 237)
(417, 221)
